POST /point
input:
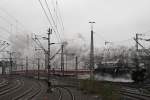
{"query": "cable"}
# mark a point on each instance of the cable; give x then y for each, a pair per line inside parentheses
(7, 31)
(102, 37)
(115, 42)
(38, 43)
(15, 19)
(4, 38)
(45, 12)
(1, 17)
(52, 19)
(122, 40)
(144, 33)
(60, 21)
(60, 17)
(12, 17)
(47, 16)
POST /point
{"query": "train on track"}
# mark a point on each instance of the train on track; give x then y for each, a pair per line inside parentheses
(118, 68)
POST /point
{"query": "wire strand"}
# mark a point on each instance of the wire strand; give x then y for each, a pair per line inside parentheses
(47, 16)
(61, 20)
(15, 20)
(53, 19)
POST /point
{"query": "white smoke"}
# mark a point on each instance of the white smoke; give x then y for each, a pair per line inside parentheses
(107, 77)
(22, 45)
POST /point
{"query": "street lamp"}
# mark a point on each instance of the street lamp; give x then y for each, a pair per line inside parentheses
(92, 52)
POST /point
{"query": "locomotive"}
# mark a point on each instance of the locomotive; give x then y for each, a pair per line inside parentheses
(139, 75)
(118, 68)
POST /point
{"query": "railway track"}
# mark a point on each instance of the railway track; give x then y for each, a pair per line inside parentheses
(21, 89)
(136, 92)
(134, 95)
(12, 86)
(30, 93)
(65, 93)
(3, 83)
(37, 90)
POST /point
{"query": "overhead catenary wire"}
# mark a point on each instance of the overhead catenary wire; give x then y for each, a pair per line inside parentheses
(47, 17)
(61, 20)
(114, 42)
(101, 37)
(15, 20)
(11, 22)
(38, 43)
(1, 28)
(146, 32)
(52, 19)
(121, 41)
(45, 12)
(5, 39)
(4, 19)
(7, 31)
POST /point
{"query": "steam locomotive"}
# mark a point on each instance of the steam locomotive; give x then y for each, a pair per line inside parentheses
(139, 75)
(117, 68)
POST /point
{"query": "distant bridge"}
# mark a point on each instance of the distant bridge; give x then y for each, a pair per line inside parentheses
(56, 72)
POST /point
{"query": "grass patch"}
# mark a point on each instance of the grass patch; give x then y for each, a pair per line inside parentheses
(107, 91)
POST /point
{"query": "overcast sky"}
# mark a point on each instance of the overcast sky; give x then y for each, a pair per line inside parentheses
(116, 20)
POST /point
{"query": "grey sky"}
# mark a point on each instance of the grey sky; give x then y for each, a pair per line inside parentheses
(115, 19)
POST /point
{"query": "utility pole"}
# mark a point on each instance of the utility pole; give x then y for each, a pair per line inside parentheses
(3, 68)
(38, 68)
(46, 60)
(62, 59)
(76, 68)
(66, 61)
(137, 50)
(137, 38)
(21, 65)
(16, 67)
(10, 63)
(26, 66)
(48, 53)
(92, 52)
